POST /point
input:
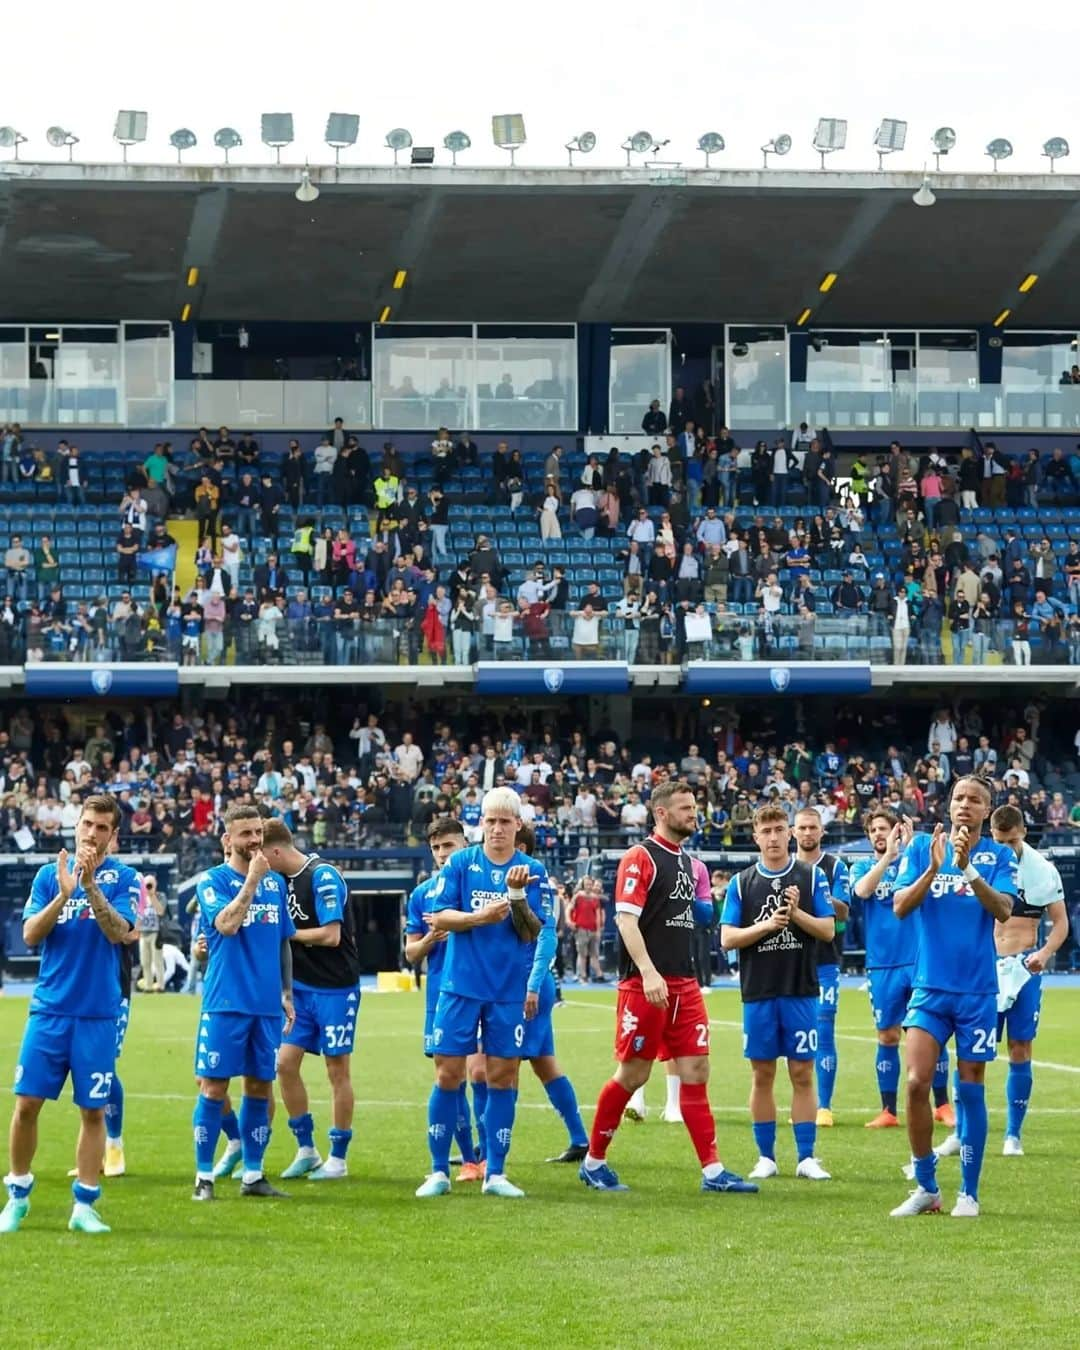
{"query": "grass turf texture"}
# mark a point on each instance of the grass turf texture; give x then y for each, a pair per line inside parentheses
(362, 1262)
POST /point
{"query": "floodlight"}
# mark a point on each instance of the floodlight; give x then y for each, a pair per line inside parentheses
(830, 136)
(999, 149)
(182, 140)
(456, 142)
(58, 137)
(508, 133)
(342, 130)
(397, 140)
(924, 196)
(1057, 147)
(227, 138)
(277, 132)
(583, 144)
(780, 145)
(889, 137)
(307, 191)
(640, 143)
(11, 139)
(710, 144)
(422, 156)
(943, 141)
(130, 129)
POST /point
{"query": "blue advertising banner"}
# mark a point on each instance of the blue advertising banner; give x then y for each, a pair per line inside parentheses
(759, 677)
(540, 677)
(61, 680)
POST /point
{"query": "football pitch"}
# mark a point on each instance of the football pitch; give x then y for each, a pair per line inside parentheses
(361, 1262)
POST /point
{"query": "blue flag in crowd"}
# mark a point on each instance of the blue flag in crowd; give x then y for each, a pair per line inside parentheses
(158, 559)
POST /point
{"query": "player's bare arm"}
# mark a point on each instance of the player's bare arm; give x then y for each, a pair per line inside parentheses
(899, 838)
(460, 921)
(326, 935)
(417, 946)
(653, 984)
(1059, 931)
(732, 937)
(287, 986)
(115, 927)
(231, 919)
(909, 898)
(38, 926)
(822, 929)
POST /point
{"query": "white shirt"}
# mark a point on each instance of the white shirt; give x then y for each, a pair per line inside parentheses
(586, 631)
(779, 460)
(945, 735)
(230, 549)
(1037, 879)
(634, 815)
(771, 597)
(645, 533)
(410, 759)
(502, 627)
(903, 619)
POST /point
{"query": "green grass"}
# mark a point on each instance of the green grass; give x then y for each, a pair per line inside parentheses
(364, 1263)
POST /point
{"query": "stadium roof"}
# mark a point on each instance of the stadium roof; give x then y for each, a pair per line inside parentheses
(634, 246)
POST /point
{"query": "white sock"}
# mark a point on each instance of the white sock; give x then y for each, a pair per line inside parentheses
(593, 1164)
(118, 1142)
(713, 1169)
(637, 1101)
(307, 1152)
(27, 1179)
(204, 1176)
(333, 1165)
(251, 1177)
(673, 1085)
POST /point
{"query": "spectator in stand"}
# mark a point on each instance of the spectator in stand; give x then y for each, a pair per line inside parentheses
(46, 565)
(128, 546)
(658, 478)
(1057, 475)
(293, 475)
(583, 511)
(654, 423)
(681, 410)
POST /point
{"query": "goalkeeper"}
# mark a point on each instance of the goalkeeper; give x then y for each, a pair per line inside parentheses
(495, 903)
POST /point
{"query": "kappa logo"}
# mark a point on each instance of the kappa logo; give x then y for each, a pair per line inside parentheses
(475, 867)
(779, 678)
(553, 679)
(101, 680)
(633, 870)
(684, 888)
(629, 1022)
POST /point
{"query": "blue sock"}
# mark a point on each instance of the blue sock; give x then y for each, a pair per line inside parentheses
(805, 1132)
(826, 1061)
(85, 1195)
(230, 1127)
(442, 1117)
(973, 1136)
(17, 1192)
(254, 1131)
(888, 1075)
(206, 1123)
(941, 1078)
(114, 1111)
(959, 1104)
(926, 1171)
(339, 1143)
(479, 1110)
(500, 1123)
(1017, 1096)
(463, 1127)
(765, 1138)
(561, 1095)
(304, 1129)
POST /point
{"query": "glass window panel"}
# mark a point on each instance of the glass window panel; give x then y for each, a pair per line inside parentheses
(422, 382)
(757, 377)
(526, 383)
(148, 374)
(1032, 361)
(640, 372)
(948, 361)
(847, 361)
(14, 360)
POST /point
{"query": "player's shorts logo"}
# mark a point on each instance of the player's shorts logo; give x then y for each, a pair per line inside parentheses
(213, 1059)
(639, 1043)
(553, 679)
(438, 1035)
(779, 678)
(18, 1073)
(101, 680)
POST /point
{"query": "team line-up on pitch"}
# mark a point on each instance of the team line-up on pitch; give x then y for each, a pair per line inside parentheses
(952, 925)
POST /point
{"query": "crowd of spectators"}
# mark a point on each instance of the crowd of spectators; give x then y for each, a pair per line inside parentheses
(721, 553)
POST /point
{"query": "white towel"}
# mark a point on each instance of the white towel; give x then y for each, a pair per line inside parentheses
(1012, 975)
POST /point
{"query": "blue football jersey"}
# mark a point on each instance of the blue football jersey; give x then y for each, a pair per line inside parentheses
(489, 963)
(419, 905)
(243, 972)
(546, 944)
(955, 933)
(79, 974)
(889, 941)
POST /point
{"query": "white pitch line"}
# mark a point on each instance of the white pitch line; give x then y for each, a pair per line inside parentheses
(840, 1035)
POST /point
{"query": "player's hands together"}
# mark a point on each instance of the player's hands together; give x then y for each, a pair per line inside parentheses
(654, 987)
(517, 878)
(67, 881)
(961, 843)
(532, 1005)
(259, 866)
(434, 935)
(289, 1011)
(493, 913)
(899, 838)
(938, 841)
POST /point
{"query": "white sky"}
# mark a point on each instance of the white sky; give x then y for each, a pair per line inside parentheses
(610, 66)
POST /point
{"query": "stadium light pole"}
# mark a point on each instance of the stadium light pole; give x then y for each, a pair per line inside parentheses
(277, 132)
(182, 140)
(456, 142)
(342, 130)
(999, 149)
(508, 133)
(780, 145)
(11, 139)
(943, 141)
(226, 139)
(712, 143)
(130, 129)
(640, 143)
(889, 138)
(583, 144)
(59, 138)
(830, 136)
(397, 140)
(1057, 147)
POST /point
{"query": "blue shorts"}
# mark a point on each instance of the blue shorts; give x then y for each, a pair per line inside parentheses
(890, 993)
(122, 1024)
(1021, 1022)
(325, 1020)
(971, 1018)
(539, 1033)
(52, 1047)
(231, 1045)
(775, 1027)
(460, 1022)
(828, 990)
